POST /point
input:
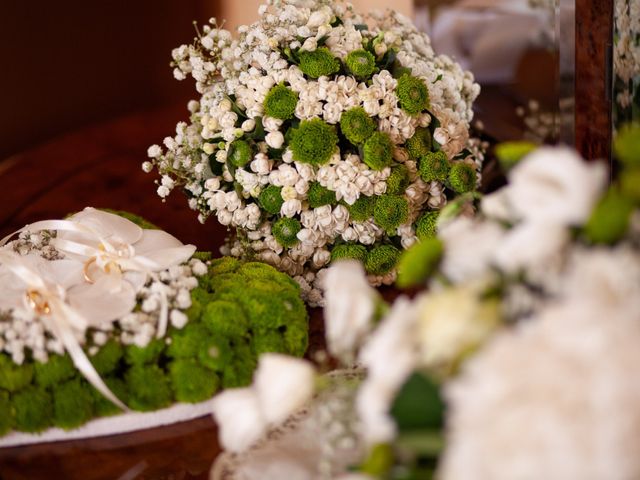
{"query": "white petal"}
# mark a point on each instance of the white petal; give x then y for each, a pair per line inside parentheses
(109, 225)
(109, 298)
(238, 415)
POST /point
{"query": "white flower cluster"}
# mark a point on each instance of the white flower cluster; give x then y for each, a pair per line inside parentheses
(295, 69)
(626, 58)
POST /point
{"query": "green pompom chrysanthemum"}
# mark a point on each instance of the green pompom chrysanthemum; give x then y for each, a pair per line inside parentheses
(434, 166)
(135, 355)
(319, 195)
(6, 414)
(226, 317)
(418, 262)
(362, 209)
(108, 357)
(72, 404)
(462, 178)
(427, 224)
(398, 181)
(216, 353)
(14, 377)
(349, 251)
(610, 218)
(240, 153)
(192, 382)
(420, 144)
(314, 142)
(360, 63)
(318, 63)
(357, 125)
(148, 388)
(271, 200)
(390, 211)
(187, 342)
(381, 260)
(378, 151)
(413, 94)
(280, 102)
(285, 231)
(33, 410)
(56, 369)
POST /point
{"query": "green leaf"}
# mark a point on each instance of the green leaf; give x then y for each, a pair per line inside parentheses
(418, 405)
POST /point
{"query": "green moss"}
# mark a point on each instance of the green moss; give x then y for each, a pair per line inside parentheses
(240, 153)
(418, 262)
(357, 125)
(420, 144)
(6, 414)
(349, 251)
(378, 151)
(280, 102)
(72, 404)
(285, 231)
(270, 308)
(194, 312)
(610, 218)
(57, 369)
(203, 256)
(319, 195)
(318, 63)
(434, 167)
(239, 372)
(103, 407)
(630, 184)
(191, 381)
(270, 199)
(215, 353)
(267, 275)
(462, 178)
(135, 355)
(413, 94)
(224, 265)
(626, 145)
(427, 225)
(510, 153)
(148, 387)
(187, 342)
(108, 357)
(14, 377)
(381, 260)
(33, 410)
(268, 341)
(398, 181)
(390, 211)
(314, 142)
(360, 63)
(362, 209)
(296, 338)
(226, 318)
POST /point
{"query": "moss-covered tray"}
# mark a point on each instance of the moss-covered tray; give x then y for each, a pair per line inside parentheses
(220, 315)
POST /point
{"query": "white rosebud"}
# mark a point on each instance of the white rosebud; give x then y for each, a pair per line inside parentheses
(248, 125)
(147, 167)
(274, 139)
(239, 418)
(154, 151)
(212, 184)
(283, 385)
(207, 148)
(310, 44)
(178, 319)
(290, 208)
(225, 217)
(224, 105)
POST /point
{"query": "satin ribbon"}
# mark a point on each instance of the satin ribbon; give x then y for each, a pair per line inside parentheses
(48, 301)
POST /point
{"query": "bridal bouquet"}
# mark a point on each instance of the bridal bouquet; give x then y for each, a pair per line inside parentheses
(101, 315)
(519, 361)
(320, 134)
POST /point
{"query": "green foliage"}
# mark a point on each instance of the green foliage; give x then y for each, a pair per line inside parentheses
(268, 341)
(462, 178)
(418, 262)
(627, 145)
(227, 318)
(434, 166)
(72, 404)
(271, 200)
(14, 377)
(6, 413)
(319, 195)
(379, 461)
(418, 405)
(285, 231)
(390, 211)
(148, 387)
(427, 225)
(362, 209)
(420, 144)
(349, 251)
(280, 102)
(296, 338)
(630, 184)
(224, 265)
(188, 341)
(103, 407)
(215, 353)
(378, 151)
(413, 94)
(33, 410)
(108, 357)
(135, 355)
(318, 63)
(313, 142)
(240, 153)
(399, 180)
(610, 218)
(357, 125)
(360, 63)
(381, 260)
(191, 381)
(510, 153)
(57, 369)
(239, 372)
